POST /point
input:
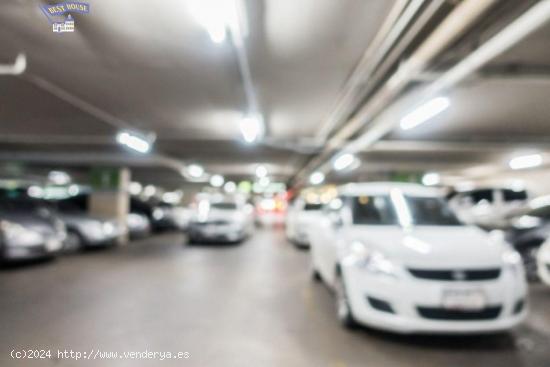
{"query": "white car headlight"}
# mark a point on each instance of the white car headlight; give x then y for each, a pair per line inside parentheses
(512, 261)
(370, 260)
(108, 228)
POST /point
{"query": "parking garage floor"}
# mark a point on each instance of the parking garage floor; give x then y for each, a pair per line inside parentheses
(245, 305)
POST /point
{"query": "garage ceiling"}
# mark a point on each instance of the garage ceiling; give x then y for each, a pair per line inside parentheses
(156, 70)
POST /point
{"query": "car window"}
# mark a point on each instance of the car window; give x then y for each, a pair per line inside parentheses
(511, 195)
(482, 195)
(430, 211)
(373, 209)
(224, 206)
(311, 207)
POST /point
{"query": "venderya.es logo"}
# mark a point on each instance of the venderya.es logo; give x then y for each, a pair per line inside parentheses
(64, 10)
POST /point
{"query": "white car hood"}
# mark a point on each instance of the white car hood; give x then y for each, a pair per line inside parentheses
(433, 247)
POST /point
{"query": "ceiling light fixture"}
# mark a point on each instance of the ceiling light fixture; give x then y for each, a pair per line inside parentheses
(133, 141)
(343, 161)
(212, 16)
(431, 179)
(252, 128)
(424, 112)
(317, 178)
(217, 180)
(525, 161)
(195, 170)
(261, 171)
(59, 177)
(230, 187)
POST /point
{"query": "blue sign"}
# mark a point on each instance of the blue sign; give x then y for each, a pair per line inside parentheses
(59, 10)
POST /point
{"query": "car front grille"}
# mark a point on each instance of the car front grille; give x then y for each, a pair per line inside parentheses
(457, 274)
(437, 313)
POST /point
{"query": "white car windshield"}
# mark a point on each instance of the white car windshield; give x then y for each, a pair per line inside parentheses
(383, 210)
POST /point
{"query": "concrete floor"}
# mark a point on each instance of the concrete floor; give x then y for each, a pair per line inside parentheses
(246, 305)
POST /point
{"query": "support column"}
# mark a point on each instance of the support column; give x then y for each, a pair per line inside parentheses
(110, 197)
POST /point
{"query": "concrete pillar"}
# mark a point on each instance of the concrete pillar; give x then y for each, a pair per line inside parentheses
(110, 197)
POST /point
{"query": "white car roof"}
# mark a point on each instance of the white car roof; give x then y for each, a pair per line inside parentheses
(381, 188)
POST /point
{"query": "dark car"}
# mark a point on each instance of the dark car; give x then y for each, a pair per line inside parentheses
(27, 230)
(528, 231)
(162, 216)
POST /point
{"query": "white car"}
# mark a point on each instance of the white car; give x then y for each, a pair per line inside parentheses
(299, 216)
(223, 221)
(543, 260)
(399, 260)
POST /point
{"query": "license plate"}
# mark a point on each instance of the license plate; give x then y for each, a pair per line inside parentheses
(464, 299)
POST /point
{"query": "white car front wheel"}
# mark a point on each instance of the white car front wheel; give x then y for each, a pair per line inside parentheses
(343, 309)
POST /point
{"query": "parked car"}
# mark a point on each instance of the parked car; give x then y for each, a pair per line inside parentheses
(543, 260)
(488, 208)
(84, 230)
(529, 229)
(138, 225)
(299, 216)
(219, 221)
(162, 216)
(27, 232)
(398, 259)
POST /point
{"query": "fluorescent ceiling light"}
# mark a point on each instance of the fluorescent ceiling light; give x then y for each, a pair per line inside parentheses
(73, 190)
(35, 192)
(133, 141)
(251, 128)
(195, 170)
(264, 181)
(212, 16)
(149, 190)
(59, 177)
(425, 112)
(217, 180)
(317, 178)
(526, 161)
(261, 171)
(135, 188)
(343, 161)
(230, 187)
(431, 179)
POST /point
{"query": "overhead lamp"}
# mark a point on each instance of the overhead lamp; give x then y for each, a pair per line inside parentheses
(230, 187)
(252, 128)
(195, 170)
(317, 178)
(59, 177)
(133, 141)
(149, 190)
(219, 17)
(431, 179)
(525, 161)
(35, 192)
(73, 190)
(261, 171)
(217, 180)
(343, 161)
(424, 112)
(135, 188)
(211, 16)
